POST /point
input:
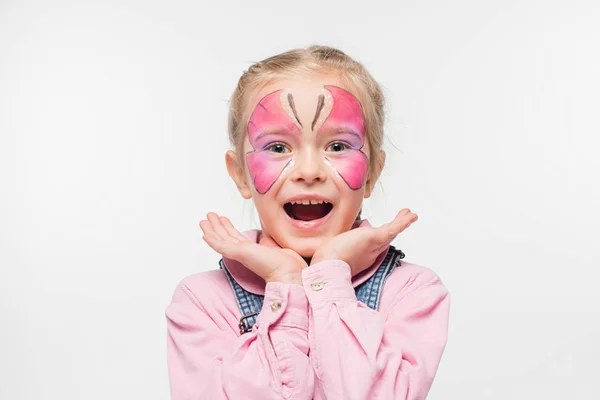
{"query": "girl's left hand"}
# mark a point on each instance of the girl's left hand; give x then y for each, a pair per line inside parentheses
(359, 247)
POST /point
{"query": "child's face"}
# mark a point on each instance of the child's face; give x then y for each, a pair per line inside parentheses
(306, 141)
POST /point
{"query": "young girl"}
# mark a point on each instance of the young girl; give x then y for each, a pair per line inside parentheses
(316, 304)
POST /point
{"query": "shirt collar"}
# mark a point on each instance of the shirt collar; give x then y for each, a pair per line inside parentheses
(255, 284)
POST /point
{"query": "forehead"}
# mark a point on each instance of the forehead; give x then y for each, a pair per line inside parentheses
(305, 89)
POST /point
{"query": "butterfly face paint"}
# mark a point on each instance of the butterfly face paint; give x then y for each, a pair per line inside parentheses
(275, 119)
(343, 115)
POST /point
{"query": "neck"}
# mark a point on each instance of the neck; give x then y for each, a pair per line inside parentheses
(308, 260)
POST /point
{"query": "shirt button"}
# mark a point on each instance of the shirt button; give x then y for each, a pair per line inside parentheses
(317, 284)
(276, 305)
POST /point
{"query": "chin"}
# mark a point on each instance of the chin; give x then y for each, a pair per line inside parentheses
(306, 252)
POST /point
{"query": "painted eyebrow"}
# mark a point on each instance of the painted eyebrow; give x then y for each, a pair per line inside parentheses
(320, 105)
(293, 107)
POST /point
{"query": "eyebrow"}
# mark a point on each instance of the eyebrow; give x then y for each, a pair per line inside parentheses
(345, 129)
(272, 130)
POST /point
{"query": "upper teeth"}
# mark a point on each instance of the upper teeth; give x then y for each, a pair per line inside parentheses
(308, 202)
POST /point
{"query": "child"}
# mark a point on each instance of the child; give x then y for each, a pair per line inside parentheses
(316, 304)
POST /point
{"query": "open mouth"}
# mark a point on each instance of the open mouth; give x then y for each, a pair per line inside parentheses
(307, 210)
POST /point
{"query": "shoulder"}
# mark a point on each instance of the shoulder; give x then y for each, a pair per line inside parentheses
(204, 300)
(207, 280)
(410, 277)
(205, 289)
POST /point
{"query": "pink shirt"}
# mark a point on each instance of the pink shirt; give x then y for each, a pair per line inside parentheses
(311, 341)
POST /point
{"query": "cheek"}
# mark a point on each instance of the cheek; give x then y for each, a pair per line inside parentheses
(351, 166)
(265, 169)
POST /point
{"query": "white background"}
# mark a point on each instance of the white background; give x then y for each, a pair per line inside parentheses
(112, 142)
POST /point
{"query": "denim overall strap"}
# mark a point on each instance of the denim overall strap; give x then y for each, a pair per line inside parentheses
(250, 304)
(369, 292)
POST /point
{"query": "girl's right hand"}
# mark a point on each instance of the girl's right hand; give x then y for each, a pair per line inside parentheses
(266, 259)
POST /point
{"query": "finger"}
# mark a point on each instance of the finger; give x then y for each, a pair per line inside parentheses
(223, 247)
(404, 214)
(392, 229)
(217, 225)
(401, 222)
(400, 217)
(206, 227)
(213, 241)
(231, 231)
(385, 234)
(410, 218)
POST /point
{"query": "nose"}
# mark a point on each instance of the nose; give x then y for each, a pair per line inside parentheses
(309, 168)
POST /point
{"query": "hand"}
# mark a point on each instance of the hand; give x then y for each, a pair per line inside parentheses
(266, 259)
(359, 247)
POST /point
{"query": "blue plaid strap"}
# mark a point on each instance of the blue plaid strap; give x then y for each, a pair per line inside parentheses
(369, 292)
(250, 304)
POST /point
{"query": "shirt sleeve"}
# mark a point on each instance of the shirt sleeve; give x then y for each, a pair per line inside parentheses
(359, 353)
(270, 362)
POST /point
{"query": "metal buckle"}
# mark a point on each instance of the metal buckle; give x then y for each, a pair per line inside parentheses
(242, 326)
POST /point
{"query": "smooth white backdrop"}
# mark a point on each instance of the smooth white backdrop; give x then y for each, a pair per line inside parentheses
(112, 142)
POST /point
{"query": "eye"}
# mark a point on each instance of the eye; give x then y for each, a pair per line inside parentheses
(337, 147)
(278, 148)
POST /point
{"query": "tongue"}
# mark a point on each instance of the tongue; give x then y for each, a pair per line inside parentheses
(309, 212)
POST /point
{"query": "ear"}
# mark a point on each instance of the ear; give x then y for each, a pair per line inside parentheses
(236, 171)
(374, 174)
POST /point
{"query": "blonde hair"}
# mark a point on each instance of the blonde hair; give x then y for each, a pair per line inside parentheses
(313, 59)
